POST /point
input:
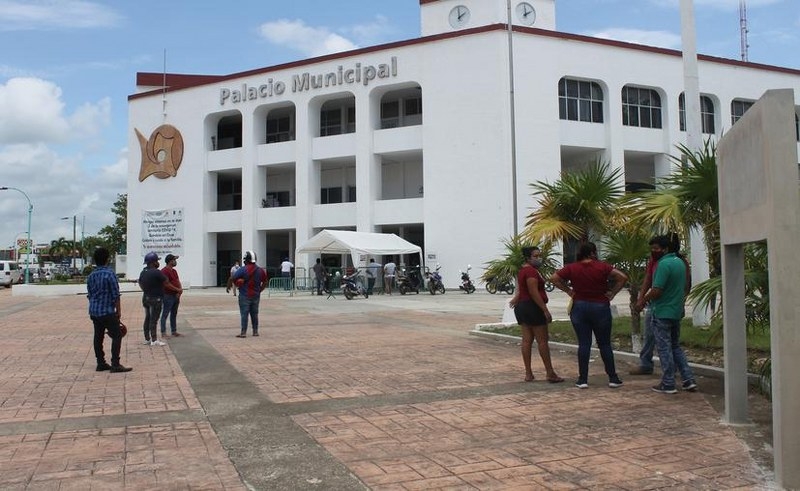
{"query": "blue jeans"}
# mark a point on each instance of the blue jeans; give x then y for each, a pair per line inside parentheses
(170, 308)
(649, 342)
(588, 318)
(668, 335)
(248, 306)
(152, 311)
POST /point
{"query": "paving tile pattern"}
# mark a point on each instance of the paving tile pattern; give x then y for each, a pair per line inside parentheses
(588, 439)
(47, 367)
(170, 456)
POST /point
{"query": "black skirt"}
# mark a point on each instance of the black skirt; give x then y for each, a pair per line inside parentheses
(529, 314)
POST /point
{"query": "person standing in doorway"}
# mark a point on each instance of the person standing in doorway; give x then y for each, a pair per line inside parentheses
(233, 271)
(591, 308)
(251, 281)
(530, 308)
(105, 311)
(389, 271)
(172, 297)
(151, 281)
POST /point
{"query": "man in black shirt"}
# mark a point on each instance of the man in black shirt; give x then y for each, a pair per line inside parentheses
(151, 281)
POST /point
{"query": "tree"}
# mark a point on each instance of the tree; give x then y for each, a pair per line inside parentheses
(114, 235)
(577, 206)
(59, 248)
(507, 267)
(587, 205)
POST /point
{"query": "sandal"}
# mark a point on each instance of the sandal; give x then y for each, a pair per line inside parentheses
(555, 380)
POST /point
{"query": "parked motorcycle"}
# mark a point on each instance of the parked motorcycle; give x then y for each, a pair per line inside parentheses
(408, 281)
(466, 283)
(435, 281)
(495, 284)
(352, 288)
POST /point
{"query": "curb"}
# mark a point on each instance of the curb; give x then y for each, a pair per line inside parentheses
(698, 369)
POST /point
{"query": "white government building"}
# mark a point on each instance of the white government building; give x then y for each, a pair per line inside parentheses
(412, 137)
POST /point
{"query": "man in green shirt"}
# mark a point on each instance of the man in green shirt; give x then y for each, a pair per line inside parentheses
(667, 296)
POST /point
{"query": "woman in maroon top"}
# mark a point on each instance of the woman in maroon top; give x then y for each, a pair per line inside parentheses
(591, 308)
(530, 308)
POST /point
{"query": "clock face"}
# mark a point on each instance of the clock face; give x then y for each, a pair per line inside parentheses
(459, 16)
(526, 14)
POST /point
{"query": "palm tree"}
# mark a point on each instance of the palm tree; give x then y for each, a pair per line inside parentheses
(627, 248)
(507, 267)
(588, 205)
(577, 206)
(685, 200)
(60, 247)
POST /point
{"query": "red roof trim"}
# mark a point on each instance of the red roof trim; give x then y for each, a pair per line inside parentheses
(184, 81)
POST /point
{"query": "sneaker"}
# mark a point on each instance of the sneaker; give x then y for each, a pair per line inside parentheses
(120, 368)
(176, 334)
(664, 389)
(255, 334)
(689, 385)
(614, 382)
(158, 343)
(581, 384)
(103, 367)
(146, 342)
(241, 335)
(164, 335)
(641, 371)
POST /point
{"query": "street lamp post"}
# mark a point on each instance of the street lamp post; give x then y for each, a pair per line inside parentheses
(74, 240)
(28, 248)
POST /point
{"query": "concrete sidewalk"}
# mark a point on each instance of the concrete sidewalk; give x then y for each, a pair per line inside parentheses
(385, 393)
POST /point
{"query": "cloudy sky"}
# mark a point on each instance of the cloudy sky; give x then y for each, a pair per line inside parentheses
(67, 67)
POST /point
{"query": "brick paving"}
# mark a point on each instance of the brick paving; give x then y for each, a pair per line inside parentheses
(393, 388)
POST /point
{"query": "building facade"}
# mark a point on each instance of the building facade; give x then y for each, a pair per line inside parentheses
(412, 137)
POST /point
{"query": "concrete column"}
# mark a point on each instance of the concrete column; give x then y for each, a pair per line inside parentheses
(367, 171)
(306, 175)
(735, 334)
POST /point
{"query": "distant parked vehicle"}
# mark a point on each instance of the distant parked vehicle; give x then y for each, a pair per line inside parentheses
(408, 281)
(494, 285)
(466, 283)
(10, 273)
(435, 281)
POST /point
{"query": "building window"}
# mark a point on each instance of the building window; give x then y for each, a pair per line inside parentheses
(738, 108)
(330, 195)
(797, 126)
(229, 133)
(277, 199)
(706, 113)
(229, 193)
(330, 122)
(279, 127)
(641, 107)
(580, 100)
(338, 117)
(401, 112)
(390, 114)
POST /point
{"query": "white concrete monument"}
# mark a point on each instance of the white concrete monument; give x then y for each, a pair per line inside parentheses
(759, 200)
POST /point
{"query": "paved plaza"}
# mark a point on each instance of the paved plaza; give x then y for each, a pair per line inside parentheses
(385, 393)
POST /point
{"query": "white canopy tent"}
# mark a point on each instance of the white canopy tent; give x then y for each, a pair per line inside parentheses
(358, 245)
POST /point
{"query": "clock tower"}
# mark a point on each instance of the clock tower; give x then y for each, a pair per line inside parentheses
(442, 16)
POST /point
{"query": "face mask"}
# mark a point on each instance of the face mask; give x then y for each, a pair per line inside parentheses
(536, 262)
(657, 255)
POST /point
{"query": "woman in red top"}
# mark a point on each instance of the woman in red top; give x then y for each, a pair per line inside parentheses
(591, 308)
(530, 308)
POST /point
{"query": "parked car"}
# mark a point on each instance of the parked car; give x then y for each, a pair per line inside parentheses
(9, 273)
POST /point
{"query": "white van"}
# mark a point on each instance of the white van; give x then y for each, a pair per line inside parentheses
(9, 273)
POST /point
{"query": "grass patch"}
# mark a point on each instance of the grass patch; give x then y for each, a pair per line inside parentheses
(700, 344)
